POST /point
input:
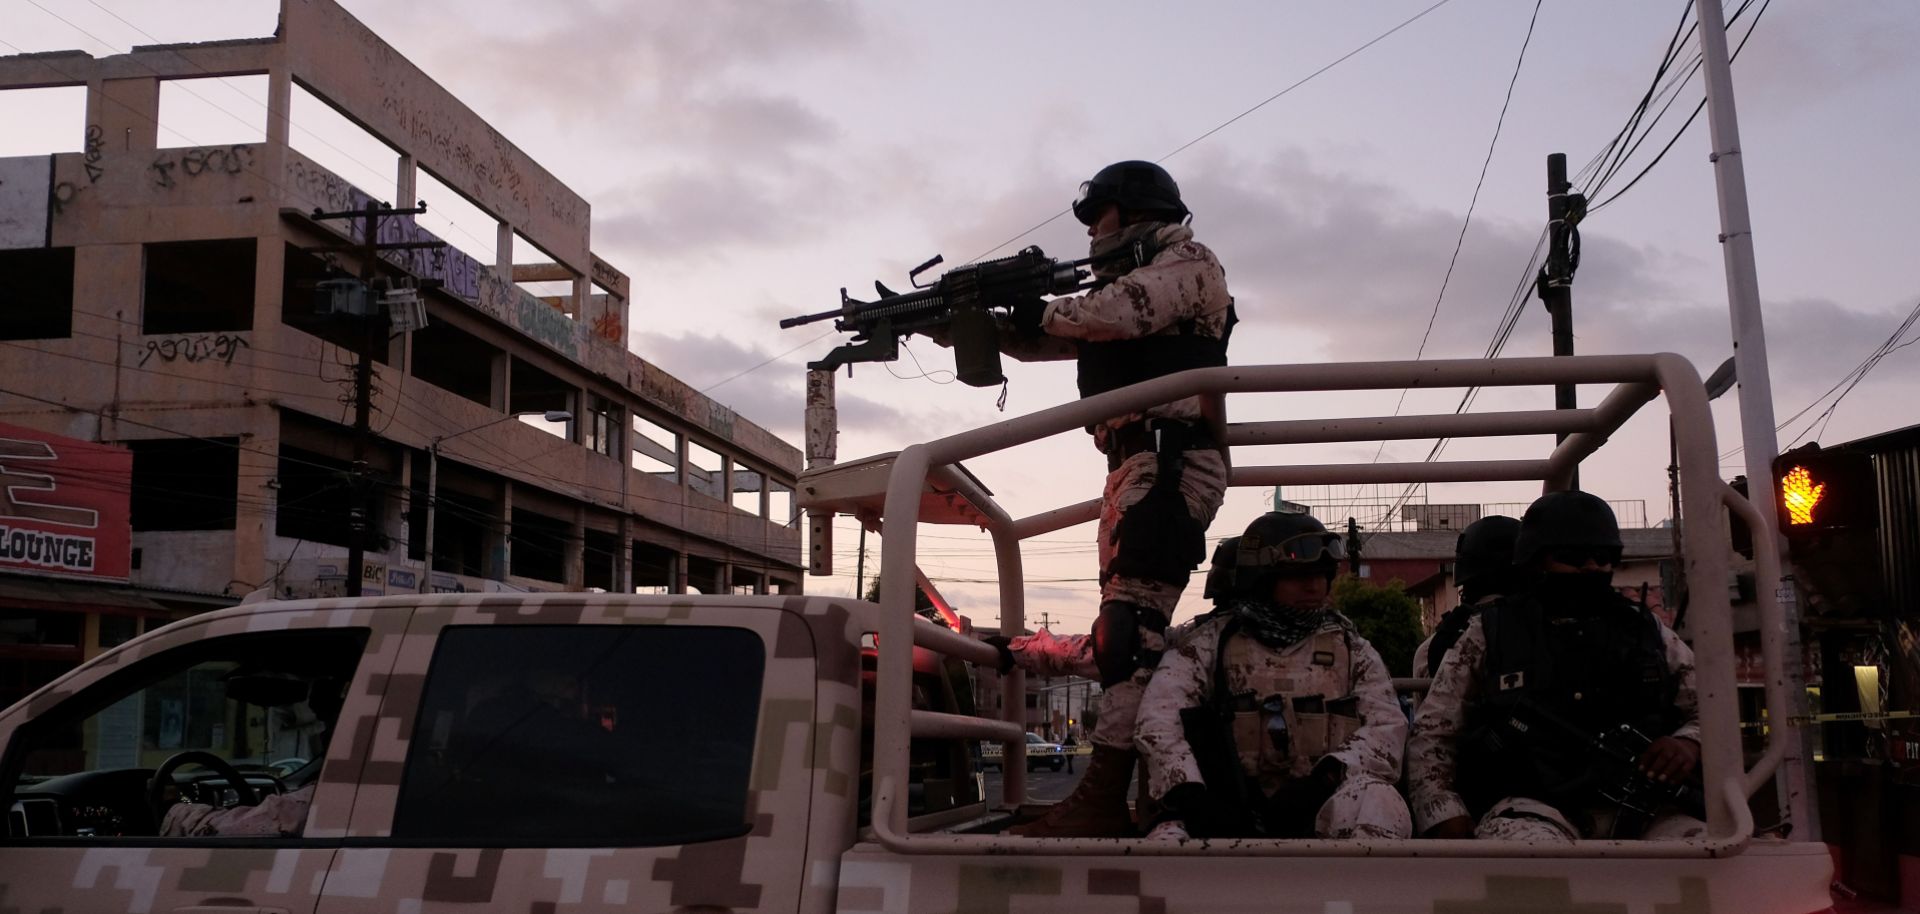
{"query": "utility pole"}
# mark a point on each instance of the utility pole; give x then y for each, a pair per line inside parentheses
(860, 567)
(1353, 546)
(1756, 392)
(1564, 210)
(369, 248)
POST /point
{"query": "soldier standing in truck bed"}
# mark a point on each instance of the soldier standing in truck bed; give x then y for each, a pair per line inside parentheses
(1159, 305)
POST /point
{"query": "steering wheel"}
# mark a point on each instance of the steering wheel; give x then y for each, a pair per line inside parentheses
(163, 776)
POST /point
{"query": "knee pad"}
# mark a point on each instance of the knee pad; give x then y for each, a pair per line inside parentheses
(1116, 640)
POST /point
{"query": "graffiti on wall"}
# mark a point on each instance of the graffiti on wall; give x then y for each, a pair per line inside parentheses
(65, 192)
(218, 160)
(197, 348)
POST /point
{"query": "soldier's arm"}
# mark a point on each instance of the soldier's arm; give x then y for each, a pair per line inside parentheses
(1376, 747)
(1687, 699)
(1184, 281)
(1045, 654)
(1179, 683)
(1432, 750)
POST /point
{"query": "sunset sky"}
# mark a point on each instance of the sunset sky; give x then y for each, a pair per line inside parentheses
(744, 160)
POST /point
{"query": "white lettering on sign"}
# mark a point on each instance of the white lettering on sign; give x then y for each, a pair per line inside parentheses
(46, 550)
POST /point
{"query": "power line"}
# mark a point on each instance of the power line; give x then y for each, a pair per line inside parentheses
(1472, 202)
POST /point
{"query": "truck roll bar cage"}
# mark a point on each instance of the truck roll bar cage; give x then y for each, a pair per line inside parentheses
(925, 483)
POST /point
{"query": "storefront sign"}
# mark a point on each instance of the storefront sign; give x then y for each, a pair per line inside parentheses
(63, 506)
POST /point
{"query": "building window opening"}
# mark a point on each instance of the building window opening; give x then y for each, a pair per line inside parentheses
(534, 392)
(198, 286)
(539, 546)
(780, 504)
(36, 294)
(603, 426)
(215, 114)
(462, 527)
(185, 484)
(537, 274)
(746, 489)
(334, 142)
(454, 361)
(456, 219)
(654, 568)
(706, 471)
(43, 121)
(599, 560)
(314, 492)
(656, 451)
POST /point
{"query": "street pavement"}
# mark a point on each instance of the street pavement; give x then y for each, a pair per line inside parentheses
(1043, 786)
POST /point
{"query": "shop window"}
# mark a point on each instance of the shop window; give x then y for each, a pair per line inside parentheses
(314, 493)
(546, 736)
(36, 296)
(539, 546)
(185, 483)
(198, 286)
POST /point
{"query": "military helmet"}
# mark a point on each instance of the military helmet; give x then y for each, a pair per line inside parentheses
(1140, 187)
(1484, 548)
(1562, 520)
(1220, 573)
(1279, 542)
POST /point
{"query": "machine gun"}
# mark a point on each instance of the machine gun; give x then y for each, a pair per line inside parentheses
(961, 303)
(1615, 760)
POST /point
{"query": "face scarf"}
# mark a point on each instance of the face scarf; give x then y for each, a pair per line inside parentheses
(1576, 594)
(1112, 253)
(1278, 627)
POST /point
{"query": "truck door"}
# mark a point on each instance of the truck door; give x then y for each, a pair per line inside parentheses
(567, 752)
(272, 696)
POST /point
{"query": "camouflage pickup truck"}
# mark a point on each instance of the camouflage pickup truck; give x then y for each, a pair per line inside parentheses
(599, 752)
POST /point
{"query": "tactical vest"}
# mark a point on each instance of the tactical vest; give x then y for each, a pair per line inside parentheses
(1112, 364)
(1598, 671)
(1318, 707)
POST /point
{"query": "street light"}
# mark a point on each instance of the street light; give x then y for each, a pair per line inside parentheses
(433, 475)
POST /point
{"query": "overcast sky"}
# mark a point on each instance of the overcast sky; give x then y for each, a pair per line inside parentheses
(744, 160)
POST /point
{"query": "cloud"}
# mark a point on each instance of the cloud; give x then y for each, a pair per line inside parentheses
(773, 396)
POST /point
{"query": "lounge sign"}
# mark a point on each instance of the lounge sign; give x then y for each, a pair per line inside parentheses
(63, 506)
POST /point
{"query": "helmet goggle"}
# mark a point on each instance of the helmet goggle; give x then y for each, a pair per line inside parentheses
(1299, 549)
(1092, 197)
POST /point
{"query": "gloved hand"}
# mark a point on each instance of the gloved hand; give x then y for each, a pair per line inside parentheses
(1169, 830)
(1000, 644)
(1027, 316)
(1293, 808)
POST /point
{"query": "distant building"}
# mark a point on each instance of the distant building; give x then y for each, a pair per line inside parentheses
(166, 302)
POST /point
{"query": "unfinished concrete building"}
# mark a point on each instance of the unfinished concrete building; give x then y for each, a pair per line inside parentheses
(173, 302)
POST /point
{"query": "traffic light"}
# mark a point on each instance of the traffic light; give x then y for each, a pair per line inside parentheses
(1819, 492)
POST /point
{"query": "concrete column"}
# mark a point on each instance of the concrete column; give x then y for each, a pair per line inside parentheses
(405, 183)
(723, 577)
(623, 563)
(127, 115)
(279, 105)
(500, 557)
(503, 251)
(574, 554)
(502, 376)
(680, 571)
(402, 515)
(253, 526)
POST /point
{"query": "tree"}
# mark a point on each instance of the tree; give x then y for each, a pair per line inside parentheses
(1386, 615)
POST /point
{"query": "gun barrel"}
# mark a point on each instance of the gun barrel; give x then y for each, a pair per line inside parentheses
(787, 322)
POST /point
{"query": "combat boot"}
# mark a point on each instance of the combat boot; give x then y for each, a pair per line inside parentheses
(1097, 808)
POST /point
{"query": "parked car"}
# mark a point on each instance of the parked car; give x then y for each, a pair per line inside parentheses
(1040, 754)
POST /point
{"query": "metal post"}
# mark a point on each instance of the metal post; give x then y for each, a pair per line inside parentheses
(362, 409)
(1756, 389)
(822, 431)
(860, 567)
(1557, 289)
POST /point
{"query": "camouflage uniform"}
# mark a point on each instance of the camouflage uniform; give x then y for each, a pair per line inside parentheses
(277, 815)
(1183, 283)
(1366, 804)
(1431, 752)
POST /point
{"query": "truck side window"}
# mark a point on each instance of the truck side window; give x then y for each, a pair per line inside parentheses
(261, 706)
(585, 736)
